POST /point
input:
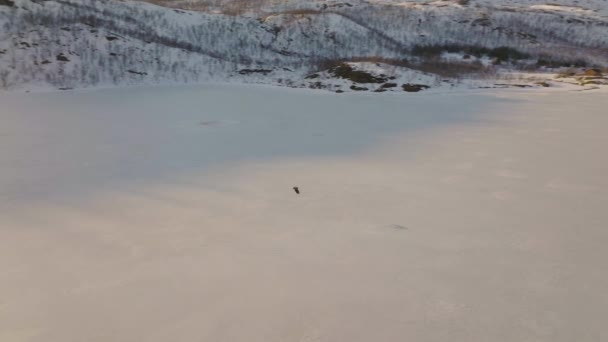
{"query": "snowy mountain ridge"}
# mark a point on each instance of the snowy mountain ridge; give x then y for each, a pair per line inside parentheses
(63, 44)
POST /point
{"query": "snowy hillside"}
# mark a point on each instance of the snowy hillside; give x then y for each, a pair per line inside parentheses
(79, 43)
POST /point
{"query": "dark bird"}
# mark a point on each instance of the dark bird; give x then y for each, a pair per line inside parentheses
(296, 189)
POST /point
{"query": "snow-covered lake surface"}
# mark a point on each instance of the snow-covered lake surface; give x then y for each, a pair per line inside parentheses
(167, 214)
(92, 140)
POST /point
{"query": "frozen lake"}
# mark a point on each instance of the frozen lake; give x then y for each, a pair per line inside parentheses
(167, 214)
(100, 139)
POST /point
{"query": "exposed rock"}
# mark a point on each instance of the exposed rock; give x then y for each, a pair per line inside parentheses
(137, 72)
(62, 58)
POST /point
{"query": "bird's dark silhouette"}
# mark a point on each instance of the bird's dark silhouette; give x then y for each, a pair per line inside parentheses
(296, 189)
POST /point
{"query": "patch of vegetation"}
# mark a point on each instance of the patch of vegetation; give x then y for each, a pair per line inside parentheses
(388, 85)
(503, 53)
(544, 84)
(451, 69)
(317, 85)
(326, 64)
(506, 85)
(567, 73)
(414, 88)
(8, 3)
(357, 88)
(347, 72)
(552, 62)
(434, 50)
(590, 82)
(593, 73)
(255, 71)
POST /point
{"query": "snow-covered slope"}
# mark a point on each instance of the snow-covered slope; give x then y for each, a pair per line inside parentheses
(79, 43)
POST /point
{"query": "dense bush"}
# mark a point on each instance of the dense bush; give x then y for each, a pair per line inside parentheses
(503, 53)
(552, 62)
(452, 69)
(345, 71)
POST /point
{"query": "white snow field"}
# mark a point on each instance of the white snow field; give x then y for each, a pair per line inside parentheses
(167, 214)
